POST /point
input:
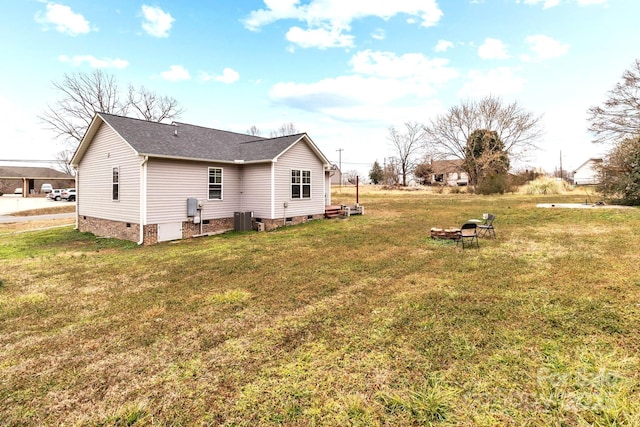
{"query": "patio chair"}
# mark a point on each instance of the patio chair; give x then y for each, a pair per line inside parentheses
(468, 231)
(487, 227)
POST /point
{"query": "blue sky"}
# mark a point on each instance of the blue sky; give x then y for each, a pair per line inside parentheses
(341, 70)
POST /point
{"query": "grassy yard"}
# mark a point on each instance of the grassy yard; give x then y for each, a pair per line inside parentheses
(362, 322)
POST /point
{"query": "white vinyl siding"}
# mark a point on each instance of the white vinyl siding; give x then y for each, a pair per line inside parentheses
(299, 157)
(171, 182)
(95, 191)
(256, 190)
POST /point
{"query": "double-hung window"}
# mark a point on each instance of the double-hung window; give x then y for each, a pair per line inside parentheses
(300, 184)
(115, 184)
(215, 183)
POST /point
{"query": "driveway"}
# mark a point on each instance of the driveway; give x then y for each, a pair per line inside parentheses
(10, 204)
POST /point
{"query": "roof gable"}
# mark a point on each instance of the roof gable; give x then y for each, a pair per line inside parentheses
(191, 142)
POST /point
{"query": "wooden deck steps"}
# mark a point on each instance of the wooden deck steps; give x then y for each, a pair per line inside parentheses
(335, 211)
(332, 211)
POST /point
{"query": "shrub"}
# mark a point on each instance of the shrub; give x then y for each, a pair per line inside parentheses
(545, 185)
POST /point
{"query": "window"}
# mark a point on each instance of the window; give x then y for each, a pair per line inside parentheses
(115, 184)
(300, 184)
(215, 183)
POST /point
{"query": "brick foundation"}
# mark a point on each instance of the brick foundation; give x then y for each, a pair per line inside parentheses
(131, 231)
(190, 229)
(107, 228)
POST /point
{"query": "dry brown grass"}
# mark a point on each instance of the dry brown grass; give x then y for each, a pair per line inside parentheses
(359, 322)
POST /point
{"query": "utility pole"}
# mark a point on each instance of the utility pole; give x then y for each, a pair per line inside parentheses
(560, 165)
(340, 150)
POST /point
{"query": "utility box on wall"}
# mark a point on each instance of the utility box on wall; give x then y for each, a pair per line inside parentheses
(242, 221)
(192, 207)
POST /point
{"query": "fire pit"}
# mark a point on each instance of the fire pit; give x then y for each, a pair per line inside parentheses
(445, 233)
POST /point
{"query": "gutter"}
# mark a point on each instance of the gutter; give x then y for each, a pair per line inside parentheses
(143, 197)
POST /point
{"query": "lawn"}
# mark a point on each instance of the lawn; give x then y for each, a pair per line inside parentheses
(359, 322)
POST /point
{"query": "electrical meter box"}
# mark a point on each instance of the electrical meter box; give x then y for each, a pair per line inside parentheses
(192, 207)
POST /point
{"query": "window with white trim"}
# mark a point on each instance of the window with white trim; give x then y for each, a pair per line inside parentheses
(115, 184)
(300, 184)
(215, 183)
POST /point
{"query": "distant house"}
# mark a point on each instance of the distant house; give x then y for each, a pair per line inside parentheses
(588, 173)
(30, 179)
(448, 172)
(336, 175)
(150, 182)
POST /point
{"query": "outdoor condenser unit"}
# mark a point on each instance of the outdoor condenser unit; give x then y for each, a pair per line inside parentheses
(242, 221)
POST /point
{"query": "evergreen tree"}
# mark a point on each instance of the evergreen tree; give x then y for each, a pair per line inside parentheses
(376, 174)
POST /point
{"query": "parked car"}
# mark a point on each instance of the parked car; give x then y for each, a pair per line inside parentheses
(56, 194)
(69, 194)
(17, 191)
(46, 188)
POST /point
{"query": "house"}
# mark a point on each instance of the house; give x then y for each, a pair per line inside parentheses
(448, 172)
(588, 173)
(336, 175)
(30, 179)
(150, 182)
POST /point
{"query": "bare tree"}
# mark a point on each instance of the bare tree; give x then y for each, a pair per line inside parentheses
(391, 172)
(152, 107)
(82, 95)
(517, 128)
(64, 158)
(253, 130)
(351, 176)
(285, 129)
(619, 117)
(408, 145)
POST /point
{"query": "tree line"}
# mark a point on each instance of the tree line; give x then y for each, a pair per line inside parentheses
(486, 135)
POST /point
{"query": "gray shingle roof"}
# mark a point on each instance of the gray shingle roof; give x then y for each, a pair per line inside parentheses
(185, 141)
(31, 172)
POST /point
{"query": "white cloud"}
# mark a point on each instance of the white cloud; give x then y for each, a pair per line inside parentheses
(590, 2)
(228, 76)
(547, 4)
(332, 17)
(443, 45)
(378, 34)
(412, 66)
(64, 19)
(94, 62)
(319, 37)
(493, 49)
(29, 140)
(544, 47)
(157, 22)
(176, 73)
(499, 81)
(381, 82)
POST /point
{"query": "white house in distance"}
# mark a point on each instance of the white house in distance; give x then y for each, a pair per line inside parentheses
(150, 182)
(588, 172)
(448, 172)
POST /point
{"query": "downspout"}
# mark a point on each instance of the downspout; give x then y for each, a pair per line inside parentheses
(77, 202)
(143, 197)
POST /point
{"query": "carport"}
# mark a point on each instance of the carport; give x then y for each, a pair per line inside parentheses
(29, 179)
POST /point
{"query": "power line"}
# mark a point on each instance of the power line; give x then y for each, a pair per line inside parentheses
(28, 161)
